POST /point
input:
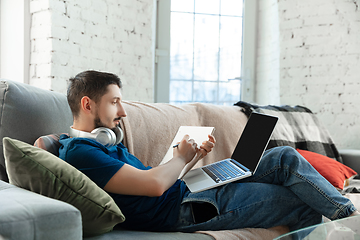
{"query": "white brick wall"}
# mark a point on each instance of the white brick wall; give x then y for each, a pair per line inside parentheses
(320, 62)
(70, 36)
(308, 52)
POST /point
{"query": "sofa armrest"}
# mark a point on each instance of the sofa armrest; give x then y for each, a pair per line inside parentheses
(24, 215)
(351, 158)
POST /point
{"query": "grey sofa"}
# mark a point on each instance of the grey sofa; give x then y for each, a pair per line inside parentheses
(26, 113)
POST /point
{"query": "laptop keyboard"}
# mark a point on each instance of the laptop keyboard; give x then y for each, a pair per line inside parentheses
(222, 171)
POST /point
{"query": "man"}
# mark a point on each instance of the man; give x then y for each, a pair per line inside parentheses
(286, 190)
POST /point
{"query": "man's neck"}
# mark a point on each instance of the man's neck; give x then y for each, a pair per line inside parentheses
(83, 126)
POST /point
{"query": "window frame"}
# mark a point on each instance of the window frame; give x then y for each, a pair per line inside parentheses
(162, 51)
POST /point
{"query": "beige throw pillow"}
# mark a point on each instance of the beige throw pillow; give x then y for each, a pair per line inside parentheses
(39, 171)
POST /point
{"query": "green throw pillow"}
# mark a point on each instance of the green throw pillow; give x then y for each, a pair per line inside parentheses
(39, 171)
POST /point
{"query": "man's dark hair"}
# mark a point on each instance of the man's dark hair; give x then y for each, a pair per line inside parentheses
(89, 83)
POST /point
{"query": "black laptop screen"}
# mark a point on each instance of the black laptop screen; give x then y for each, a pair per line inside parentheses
(254, 139)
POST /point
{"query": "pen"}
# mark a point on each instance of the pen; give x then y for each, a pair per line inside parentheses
(176, 145)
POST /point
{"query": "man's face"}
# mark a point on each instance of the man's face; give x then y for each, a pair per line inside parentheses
(109, 110)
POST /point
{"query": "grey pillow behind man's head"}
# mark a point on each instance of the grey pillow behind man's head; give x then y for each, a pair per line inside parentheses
(27, 112)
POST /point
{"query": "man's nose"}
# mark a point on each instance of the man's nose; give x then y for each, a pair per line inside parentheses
(121, 111)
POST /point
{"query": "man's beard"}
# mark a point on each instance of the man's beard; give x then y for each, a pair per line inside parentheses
(98, 123)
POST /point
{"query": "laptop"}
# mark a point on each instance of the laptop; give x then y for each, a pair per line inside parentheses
(244, 160)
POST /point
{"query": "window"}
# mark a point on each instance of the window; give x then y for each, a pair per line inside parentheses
(14, 40)
(199, 51)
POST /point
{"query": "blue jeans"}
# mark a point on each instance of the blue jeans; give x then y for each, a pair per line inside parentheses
(285, 190)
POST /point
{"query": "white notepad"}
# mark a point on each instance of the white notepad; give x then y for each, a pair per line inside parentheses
(198, 133)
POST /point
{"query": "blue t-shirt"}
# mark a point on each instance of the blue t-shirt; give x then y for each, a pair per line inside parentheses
(100, 163)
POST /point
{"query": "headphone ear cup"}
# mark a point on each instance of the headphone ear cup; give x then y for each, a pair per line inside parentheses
(105, 136)
(119, 135)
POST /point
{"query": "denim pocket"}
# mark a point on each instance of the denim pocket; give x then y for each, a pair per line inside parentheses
(203, 211)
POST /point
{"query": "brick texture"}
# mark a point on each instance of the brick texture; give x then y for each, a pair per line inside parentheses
(319, 60)
(308, 52)
(68, 37)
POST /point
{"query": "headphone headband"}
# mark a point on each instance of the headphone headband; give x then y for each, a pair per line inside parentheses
(106, 136)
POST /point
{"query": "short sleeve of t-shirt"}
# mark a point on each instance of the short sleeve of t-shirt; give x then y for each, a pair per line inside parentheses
(91, 158)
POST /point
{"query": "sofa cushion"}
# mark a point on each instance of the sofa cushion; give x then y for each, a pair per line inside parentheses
(37, 170)
(335, 172)
(27, 112)
(26, 215)
(159, 122)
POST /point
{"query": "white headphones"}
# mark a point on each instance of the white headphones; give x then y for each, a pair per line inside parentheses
(106, 136)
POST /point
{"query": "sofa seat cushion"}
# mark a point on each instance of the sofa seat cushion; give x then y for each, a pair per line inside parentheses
(134, 235)
(26, 215)
(37, 170)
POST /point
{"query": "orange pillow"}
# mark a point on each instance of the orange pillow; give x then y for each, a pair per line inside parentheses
(335, 172)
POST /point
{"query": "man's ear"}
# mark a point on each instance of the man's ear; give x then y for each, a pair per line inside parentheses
(86, 104)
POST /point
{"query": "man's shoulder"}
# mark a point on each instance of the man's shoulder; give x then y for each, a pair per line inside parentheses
(77, 147)
(67, 142)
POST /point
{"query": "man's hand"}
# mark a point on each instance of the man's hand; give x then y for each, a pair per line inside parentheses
(207, 146)
(186, 149)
